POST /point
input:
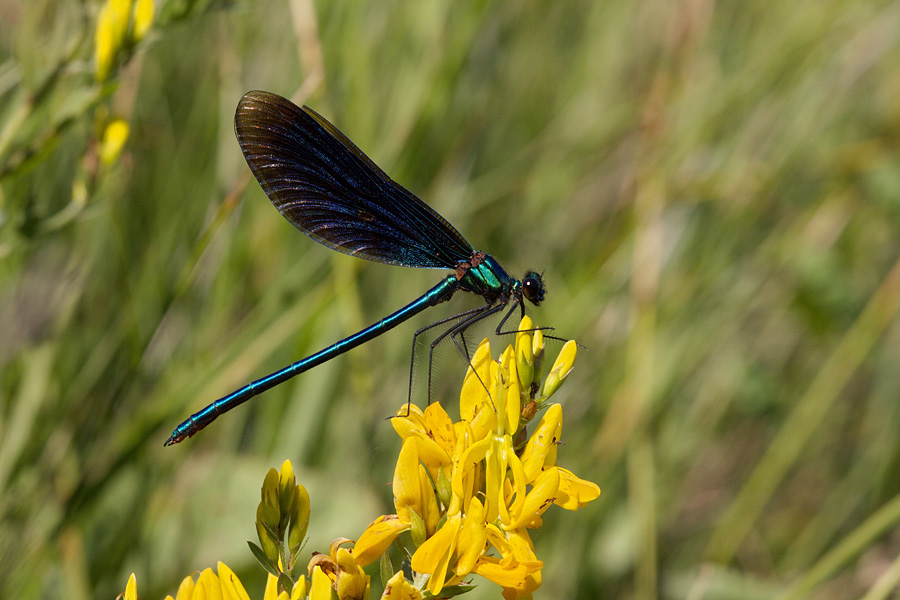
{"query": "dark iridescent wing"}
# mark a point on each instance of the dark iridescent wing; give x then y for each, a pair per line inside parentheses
(328, 189)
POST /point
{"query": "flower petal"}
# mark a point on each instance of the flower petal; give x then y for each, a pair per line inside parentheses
(232, 589)
(208, 586)
(131, 588)
(398, 588)
(433, 557)
(561, 368)
(408, 418)
(143, 19)
(516, 575)
(473, 396)
(509, 402)
(352, 581)
(407, 489)
(472, 539)
(524, 353)
(440, 427)
(320, 585)
(518, 568)
(542, 442)
(376, 538)
(465, 464)
(431, 512)
(186, 589)
(300, 589)
(574, 492)
(538, 499)
(114, 137)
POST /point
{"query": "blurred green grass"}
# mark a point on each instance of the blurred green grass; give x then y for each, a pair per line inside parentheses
(712, 191)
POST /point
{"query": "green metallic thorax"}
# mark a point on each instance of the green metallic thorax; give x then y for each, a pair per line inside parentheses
(484, 276)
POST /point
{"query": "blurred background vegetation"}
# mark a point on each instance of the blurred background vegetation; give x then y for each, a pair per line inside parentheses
(712, 191)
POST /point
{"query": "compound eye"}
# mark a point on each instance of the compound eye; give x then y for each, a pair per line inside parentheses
(533, 288)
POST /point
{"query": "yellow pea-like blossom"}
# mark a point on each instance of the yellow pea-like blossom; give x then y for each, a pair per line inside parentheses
(105, 43)
(142, 19)
(352, 582)
(435, 554)
(517, 569)
(540, 450)
(525, 353)
(560, 369)
(120, 25)
(398, 588)
(298, 591)
(320, 585)
(131, 588)
(224, 585)
(377, 537)
(414, 496)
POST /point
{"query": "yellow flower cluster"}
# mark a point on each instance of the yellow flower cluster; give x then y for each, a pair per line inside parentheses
(121, 23)
(467, 491)
(226, 586)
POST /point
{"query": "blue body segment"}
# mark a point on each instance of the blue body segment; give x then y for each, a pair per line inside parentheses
(328, 189)
(200, 419)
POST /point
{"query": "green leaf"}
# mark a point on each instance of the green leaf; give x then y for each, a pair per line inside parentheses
(263, 559)
(385, 569)
(450, 591)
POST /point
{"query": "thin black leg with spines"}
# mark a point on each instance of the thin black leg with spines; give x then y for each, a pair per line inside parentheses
(412, 359)
(458, 330)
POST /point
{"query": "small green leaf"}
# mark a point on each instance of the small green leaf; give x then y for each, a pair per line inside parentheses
(263, 559)
(285, 582)
(450, 591)
(385, 569)
(418, 528)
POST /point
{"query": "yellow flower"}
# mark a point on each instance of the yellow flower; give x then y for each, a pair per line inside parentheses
(320, 585)
(225, 585)
(509, 400)
(377, 537)
(434, 555)
(467, 474)
(432, 433)
(414, 500)
(468, 492)
(474, 401)
(114, 137)
(561, 369)
(342, 572)
(106, 42)
(120, 23)
(414, 497)
(525, 354)
(131, 588)
(518, 571)
(352, 582)
(298, 592)
(398, 588)
(540, 450)
(574, 492)
(142, 19)
(452, 552)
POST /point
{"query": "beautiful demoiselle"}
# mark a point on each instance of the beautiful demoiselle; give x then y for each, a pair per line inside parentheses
(328, 189)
